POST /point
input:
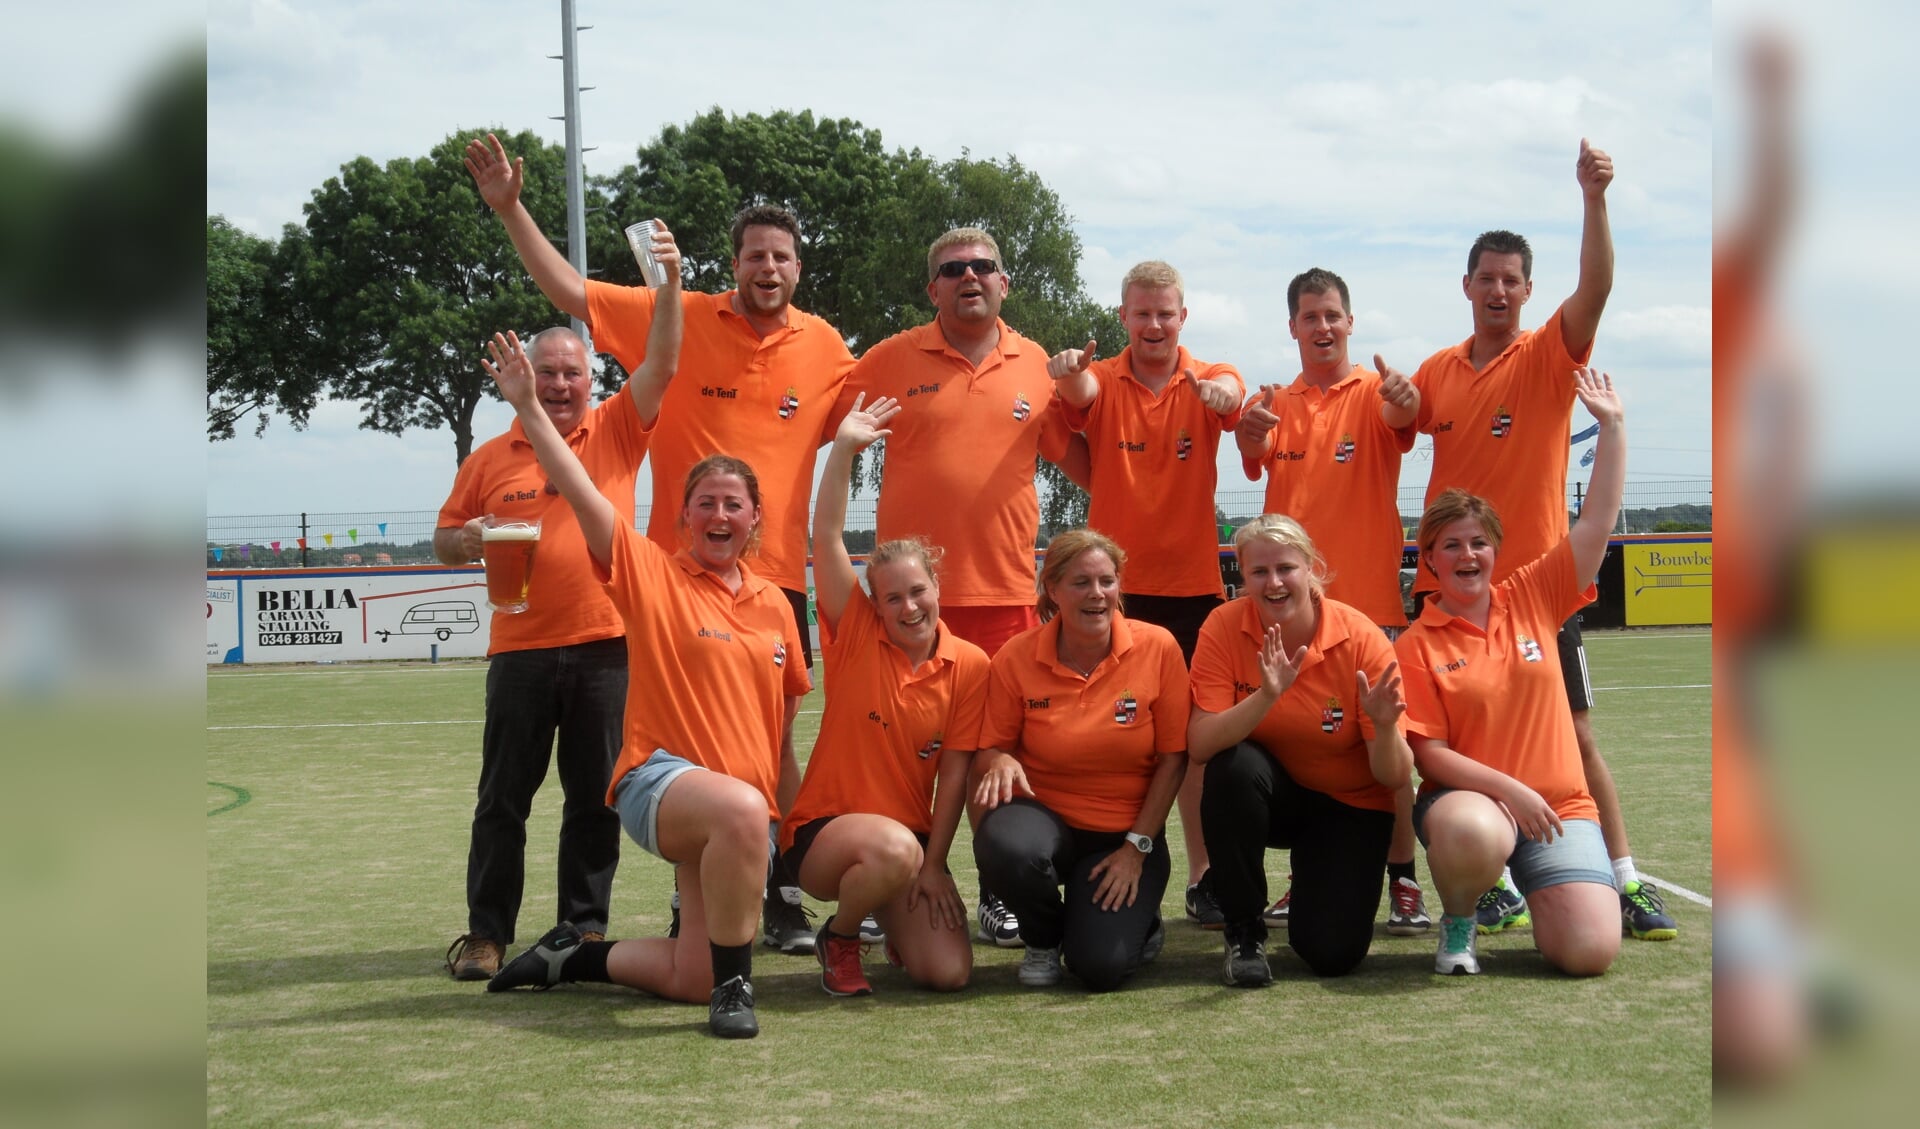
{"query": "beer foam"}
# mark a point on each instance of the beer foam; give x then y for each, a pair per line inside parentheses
(515, 532)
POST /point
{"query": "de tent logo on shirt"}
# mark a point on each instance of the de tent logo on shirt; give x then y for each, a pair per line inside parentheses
(1529, 649)
(789, 403)
(1343, 450)
(1502, 422)
(1126, 710)
(1021, 409)
(1332, 717)
(779, 654)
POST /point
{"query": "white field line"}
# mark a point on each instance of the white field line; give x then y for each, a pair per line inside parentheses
(378, 724)
(1697, 899)
(1676, 686)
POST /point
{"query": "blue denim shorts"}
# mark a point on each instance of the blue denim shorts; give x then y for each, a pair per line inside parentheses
(637, 797)
(1579, 854)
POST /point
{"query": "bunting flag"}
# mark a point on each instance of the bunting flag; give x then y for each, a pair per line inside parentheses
(246, 552)
(217, 553)
(355, 534)
(329, 539)
(383, 529)
(1583, 436)
(1587, 459)
(302, 541)
(276, 546)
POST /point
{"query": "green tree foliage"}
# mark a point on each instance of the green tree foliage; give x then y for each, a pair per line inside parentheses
(258, 337)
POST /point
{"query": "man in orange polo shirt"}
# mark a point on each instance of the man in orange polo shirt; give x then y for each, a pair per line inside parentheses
(1331, 444)
(1152, 417)
(761, 379)
(1499, 406)
(960, 462)
(561, 665)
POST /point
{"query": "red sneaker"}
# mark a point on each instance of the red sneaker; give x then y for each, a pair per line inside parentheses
(839, 959)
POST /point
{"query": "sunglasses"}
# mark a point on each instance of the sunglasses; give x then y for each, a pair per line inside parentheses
(958, 268)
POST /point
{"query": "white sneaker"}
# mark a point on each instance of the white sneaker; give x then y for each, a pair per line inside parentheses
(1456, 955)
(998, 925)
(1040, 968)
(870, 931)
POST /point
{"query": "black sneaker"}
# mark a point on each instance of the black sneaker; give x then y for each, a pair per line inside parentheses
(787, 923)
(1156, 942)
(1247, 959)
(538, 967)
(730, 1011)
(1202, 910)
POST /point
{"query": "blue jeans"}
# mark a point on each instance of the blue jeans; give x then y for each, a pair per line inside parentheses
(580, 693)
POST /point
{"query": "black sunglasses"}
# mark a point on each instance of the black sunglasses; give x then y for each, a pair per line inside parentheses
(957, 268)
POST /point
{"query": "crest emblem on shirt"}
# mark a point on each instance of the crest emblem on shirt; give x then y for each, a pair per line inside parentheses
(1182, 445)
(932, 747)
(1502, 422)
(1021, 409)
(779, 654)
(1343, 450)
(1332, 717)
(1529, 649)
(789, 403)
(1126, 710)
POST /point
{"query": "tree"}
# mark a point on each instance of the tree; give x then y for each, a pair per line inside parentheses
(258, 340)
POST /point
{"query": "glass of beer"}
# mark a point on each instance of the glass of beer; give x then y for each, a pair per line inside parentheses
(507, 547)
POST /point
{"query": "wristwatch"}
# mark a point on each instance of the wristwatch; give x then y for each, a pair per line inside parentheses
(1141, 843)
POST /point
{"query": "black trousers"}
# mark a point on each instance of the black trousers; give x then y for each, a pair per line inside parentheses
(1247, 804)
(1026, 854)
(579, 693)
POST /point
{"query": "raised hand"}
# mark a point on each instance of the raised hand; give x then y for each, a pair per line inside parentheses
(1277, 669)
(498, 178)
(1256, 419)
(1395, 388)
(1595, 390)
(1594, 170)
(861, 429)
(1219, 397)
(1383, 703)
(666, 251)
(1072, 362)
(510, 369)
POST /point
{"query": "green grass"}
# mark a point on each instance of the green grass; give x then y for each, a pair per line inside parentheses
(333, 890)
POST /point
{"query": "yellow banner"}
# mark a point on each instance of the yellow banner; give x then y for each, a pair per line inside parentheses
(1669, 583)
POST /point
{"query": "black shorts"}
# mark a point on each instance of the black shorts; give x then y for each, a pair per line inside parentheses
(804, 836)
(1573, 665)
(1181, 615)
(798, 602)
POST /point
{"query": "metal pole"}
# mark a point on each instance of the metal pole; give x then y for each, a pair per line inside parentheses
(576, 183)
(303, 540)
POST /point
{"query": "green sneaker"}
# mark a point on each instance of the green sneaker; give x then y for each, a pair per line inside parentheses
(1643, 915)
(1501, 908)
(1456, 953)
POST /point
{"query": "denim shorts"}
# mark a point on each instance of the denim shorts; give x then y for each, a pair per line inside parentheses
(637, 797)
(1578, 854)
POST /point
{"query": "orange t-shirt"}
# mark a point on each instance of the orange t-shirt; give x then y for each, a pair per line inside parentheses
(1502, 433)
(708, 670)
(1089, 745)
(1497, 696)
(503, 477)
(960, 462)
(1333, 465)
(764, 400)
(1317, 730)
(886, 723)
(1154, 473)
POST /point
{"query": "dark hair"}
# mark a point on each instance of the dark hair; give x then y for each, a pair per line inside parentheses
(1316, 281)
(723, 464)
(765, 215)
(1502, 243)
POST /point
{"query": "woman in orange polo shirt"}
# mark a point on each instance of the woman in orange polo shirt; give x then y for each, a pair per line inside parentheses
(1297, 719)
(1085, 739)
(1501, 782)
(714, 679)
(870, 830)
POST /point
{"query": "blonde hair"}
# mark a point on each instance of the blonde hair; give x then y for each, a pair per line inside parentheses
(1453, 505)
(1062, 551)
(959, 237)
(906, 549)
(1152, 274)
(722, 465)
(1281, 530)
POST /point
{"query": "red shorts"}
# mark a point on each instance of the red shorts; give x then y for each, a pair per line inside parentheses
(989, 628)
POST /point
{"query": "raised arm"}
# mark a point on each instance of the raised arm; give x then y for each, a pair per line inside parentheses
(499, 180)
(649, 381)
(833, 575)
(1254, 434)
(513, 372)
(1399, 396)
(1580, 313)
(1602, 507)
(1071, 380)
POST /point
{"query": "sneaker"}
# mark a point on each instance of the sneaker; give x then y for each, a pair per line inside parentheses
(1247, 961)
(1456, 956)
(1156, 941)
(730, 1010)
(998, 925)
(673, 929)
(1408, 917)
(1276, 914)
(870, 931)
(1040, 968)
(538, 967)
(788, 923)
(839, 961)
(479, 958)
(1501, 908)
(1643, 914)
(1202, 910)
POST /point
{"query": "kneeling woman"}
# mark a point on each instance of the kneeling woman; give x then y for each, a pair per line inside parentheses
(904, 703)
(1487, 715)
(1297, 720)
(715, 679)
(1085, 739)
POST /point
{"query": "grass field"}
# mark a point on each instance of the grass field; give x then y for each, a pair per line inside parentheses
(338, 802)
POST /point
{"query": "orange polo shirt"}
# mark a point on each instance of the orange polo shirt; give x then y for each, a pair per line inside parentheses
(1154, 473)
(886, 723)
(961, 459)
(1333, 465)
(709, 670)
(503, 477)
(1502, 433)
(1497, 696)
(1317, 730)
(1089, 744)
(764, 400)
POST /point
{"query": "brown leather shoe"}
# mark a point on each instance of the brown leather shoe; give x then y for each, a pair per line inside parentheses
(478, 959)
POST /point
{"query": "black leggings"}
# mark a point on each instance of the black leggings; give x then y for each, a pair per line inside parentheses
(1026, 853)
(1249, 803)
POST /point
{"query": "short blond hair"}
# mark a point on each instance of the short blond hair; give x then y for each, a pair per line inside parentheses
(1281, 530)
(960, 237)
(905, 549)
(1152, 274)
(1452, 505)
(1062, 551)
